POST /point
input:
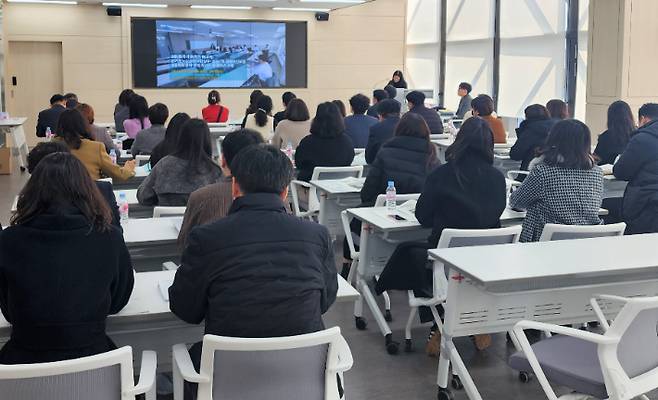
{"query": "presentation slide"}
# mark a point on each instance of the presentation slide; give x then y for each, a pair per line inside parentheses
(191, 53)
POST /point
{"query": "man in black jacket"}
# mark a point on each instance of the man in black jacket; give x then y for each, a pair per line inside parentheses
(389, 116)
(287, 97)
(258, 272)
(416, 101)
(50, 117)
(378, 96)
(638, 164)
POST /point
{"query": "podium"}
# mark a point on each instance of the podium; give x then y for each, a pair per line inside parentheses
(13, 127)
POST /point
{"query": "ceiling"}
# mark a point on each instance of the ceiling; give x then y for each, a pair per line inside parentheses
(312, 5)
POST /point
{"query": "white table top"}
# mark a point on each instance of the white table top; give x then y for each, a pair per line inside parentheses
(145, 230)
(143, 171)
(131, 195)
(561, 262)
(359, 159)
(16, 121)
(340, 186)
(147, 299)
(497, 146)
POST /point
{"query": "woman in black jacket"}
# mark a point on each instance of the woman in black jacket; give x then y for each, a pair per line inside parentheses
(327, 145)
(405, 159)
(531, 134)
(63, 267)
(613, 142)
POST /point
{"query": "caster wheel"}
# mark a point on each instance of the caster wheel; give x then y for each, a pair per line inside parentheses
(361, 323)
(407, 346)
(391, 346)
(456, 383)
(23, 169)
(444, 394)
(524, 377)
(387, 316)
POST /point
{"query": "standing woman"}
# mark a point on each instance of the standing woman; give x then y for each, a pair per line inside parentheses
(187, 169)
(253, 105)
(121, 109)
(64, 267)
(397, 81)
(172, 136)
(613, 142)
(566, 187)
(557, 109)
(139, 116)
(262, 121)
(214, 112)
(71, 130)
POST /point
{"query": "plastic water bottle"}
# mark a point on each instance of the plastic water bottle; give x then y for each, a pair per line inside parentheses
(49, 133)
(123, 206)
(391, 193)
(113, 156)
(289, 150)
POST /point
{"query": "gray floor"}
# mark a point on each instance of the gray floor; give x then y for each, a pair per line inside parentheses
(377, 375)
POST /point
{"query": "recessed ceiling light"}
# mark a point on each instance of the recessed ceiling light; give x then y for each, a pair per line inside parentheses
(44, 2)
(301, 9)
(334, 1)
(147, 5)
(204, 7)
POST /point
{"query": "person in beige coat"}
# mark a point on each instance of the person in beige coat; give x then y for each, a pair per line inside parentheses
(295, 127)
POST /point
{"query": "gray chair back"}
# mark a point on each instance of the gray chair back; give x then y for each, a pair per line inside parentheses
(481, 240)
(97, 384)
(638, 347)
(294, 374)
(580, 235)
(337, 175)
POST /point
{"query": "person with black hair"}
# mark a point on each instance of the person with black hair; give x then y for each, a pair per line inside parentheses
(391, 91)
(531, 135)
(416, 101)
(50, 117)
(558, 109)
(212, 202)
(285, 281)
(382, 131)
(614, 140)
(187, 169)
(139, 116)
(638, 165)
(286, 98)
(64, 267)
(294, 127)
(215, 112)
(341, 107)
(148, 138)
(483, 107)
(327, 145)
(262, 121)
(464, 92)
(397, 81)
(254, 97)
(378, 96)
(71, 100)
(121, 109)
(97, 133)
(43, 149)
(172, 136)
(565, 187)
(71, 131)
(357, 125)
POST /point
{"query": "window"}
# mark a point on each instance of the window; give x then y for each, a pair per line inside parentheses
(423, 43)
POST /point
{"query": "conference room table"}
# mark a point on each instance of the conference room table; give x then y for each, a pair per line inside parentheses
(133, 183)
(443, 144)
(491, 288)
(13, 128)
(135, 210)
(152, 241)
(146, 323)
(335, 196)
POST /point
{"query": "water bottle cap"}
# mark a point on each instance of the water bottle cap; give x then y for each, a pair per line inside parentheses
(122, 195)
(391, 183)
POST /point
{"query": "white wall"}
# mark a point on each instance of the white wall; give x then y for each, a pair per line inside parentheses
(423, 44)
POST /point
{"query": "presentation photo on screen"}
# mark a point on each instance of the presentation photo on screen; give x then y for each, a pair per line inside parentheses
(178, 53)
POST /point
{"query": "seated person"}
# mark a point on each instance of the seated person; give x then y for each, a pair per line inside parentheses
(49, 117)
(383, 130)
(148, 138)
(357, 125)
(614, 140)
(565, 187)
(258, 272)
(96, 133)
(64, 267)
(214, 112)
(121, 110)
(212, 202)
(416, 102)
(558, 109)
(45, 148)
(261, 120)
(189, 168)
(327, 145)
(531, 135)
(294, 127)
(286, 98)
(138, 117)
(170, 142)
(464, 92)
(71, 131)
(378, 96)
(483, 107)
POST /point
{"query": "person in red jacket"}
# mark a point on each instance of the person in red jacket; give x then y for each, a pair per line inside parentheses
(214, 112)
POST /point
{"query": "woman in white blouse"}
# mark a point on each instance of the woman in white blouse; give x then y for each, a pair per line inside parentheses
(262, 121)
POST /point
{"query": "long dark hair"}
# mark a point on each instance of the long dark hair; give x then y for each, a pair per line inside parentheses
(253, 101)
(139, 108)
(475, 137)
(414, 125)
(328, 122)
(173, 132)
(125, 95)
(620, 120)
(569, 145)
(194, 146)
(60, 180)
(557, 109)
(402, 82)
(72, 128)
(341, 107)
(264, 109)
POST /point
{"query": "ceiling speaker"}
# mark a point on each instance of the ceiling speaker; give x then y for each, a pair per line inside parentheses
(322, 16)
(114, 11)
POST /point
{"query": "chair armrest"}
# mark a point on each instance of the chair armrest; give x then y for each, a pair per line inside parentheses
(597, 309)
(295, 196)
(169, 266)
(562, 330)
(301, 183)
(345, 360)
(146, 382)
(183, 362)
(345, 222)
